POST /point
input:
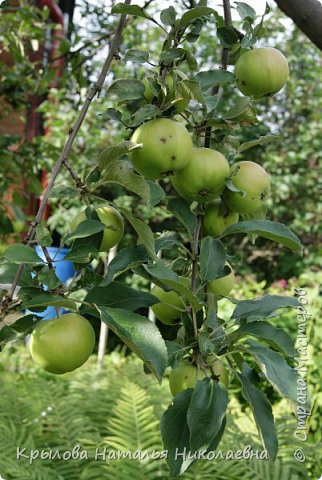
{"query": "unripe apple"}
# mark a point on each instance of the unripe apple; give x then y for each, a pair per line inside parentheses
(221, 287)
(171, 305)
(261, 72)
(111, 218)
(166, 147)
(62, 344)
(184, 376)
(254, 181)
(214, 222)
(203, 178)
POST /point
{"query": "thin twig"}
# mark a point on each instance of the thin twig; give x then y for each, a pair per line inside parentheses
(48, 257)
(78, 181)
(95, 89)
(194, 274)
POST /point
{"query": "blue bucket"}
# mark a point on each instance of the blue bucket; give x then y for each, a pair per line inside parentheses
(64, 270)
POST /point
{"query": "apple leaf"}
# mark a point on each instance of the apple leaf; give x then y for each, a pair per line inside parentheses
(82, 253)
(206, 412)
(18, 253)
(136, 56)
(115, 151)
(180, 208)
(175, 433)
(262, 140)
(277, 232)
(120, 295)
(86, 229)
(277, 371)
(160, 271)
(263, 307)
(240, 107)
(212, 259)
(145, 234)
(50, 300)
(145, 113)
(211, 78)
(8, 272)
(123, 8)
(262, 411)
(276, 337)
(126, 90)
(193, 14)
(140, 334)
(168, 16)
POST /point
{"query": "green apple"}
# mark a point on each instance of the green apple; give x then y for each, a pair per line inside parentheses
(62, 344)
(221, 287)
(261, 72)
(110, 217)
(203, 178)
(254, 184)
(166, 147)
(184, 376)
(171, 305)
(214, 222)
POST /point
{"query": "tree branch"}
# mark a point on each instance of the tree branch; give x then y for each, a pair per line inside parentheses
(306, 15)
(95, 89)
(224, 63)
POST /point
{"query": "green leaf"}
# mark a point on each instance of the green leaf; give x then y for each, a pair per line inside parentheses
(240, 107)
(167, 57)
(86, 229)
(120, 172)
(23, 324)
(263, 307)
(262, 412)
(212, 78)
(212, 259)
(276, 337)
(135, 10)
(48, 277)
(144, 113)
(9, 270)
(277, 232)
(180, 208)
(262, 140)
(145, 234)
(120, 295)
(160, 271)
(82, 253)
(140, 335)
(168, 16)
(115, 151)
(6, 335)
(193, 90)
(227, 36)
(244, 10)
(175, 352)
(47, 299)
(137, 56)
(64, 192)
(277, 371)
(211, 102)
(193, 14)
(18, 253)
(126, 89)
(111, 114)
(175, 433)
(206, 412)
(43, 236)
(125, 259)
(157, 194)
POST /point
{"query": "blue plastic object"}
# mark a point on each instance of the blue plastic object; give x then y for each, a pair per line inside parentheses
(64, 270)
